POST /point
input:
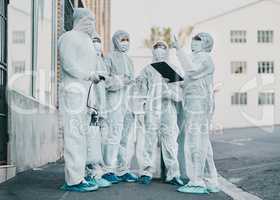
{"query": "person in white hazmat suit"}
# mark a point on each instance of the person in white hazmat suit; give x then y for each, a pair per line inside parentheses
(121, 73)
(132, 145)
(97, 101)
(198, 103)
(160, 119)
(78, 58)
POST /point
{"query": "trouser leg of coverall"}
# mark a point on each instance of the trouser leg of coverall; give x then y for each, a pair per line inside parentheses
(196, 141)
(94, 154)
(75, 144)
(104, 128)
(126, 144)
(168, 138)
(140, 139)
(211, 175)
(112, 142)
(152, 120)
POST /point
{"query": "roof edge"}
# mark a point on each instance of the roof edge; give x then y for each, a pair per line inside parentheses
(233, 10)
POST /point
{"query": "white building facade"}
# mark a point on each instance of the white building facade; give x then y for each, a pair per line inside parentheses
(247, 60)
(31, 84)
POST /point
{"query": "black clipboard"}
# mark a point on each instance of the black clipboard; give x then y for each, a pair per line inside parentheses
(167, 72)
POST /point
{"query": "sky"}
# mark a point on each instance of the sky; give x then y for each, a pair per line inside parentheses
(138, 16)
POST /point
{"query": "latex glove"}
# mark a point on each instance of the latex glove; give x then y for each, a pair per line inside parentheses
(175, 43)
(217, 87)
(166, 95)
(128, 80)
(166, 80)
(94, 77)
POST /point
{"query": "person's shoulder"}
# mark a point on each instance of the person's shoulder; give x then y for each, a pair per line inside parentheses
(68, 36)
(205, 55)
(110, 55)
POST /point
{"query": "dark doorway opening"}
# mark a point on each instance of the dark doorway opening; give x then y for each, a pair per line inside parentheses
(3, 82)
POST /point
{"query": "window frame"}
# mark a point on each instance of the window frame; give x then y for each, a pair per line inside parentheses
(263, 36)
(233, 67)
(239, 99)
(238, 36)
(266, 98)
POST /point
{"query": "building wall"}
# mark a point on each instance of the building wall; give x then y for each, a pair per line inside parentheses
(102, 11)
(262, 16)
(33, 129)
(32, 115)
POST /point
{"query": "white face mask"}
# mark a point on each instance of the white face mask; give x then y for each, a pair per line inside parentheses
(98, 48)
(196, 46)
(124, 46)
(160, 54)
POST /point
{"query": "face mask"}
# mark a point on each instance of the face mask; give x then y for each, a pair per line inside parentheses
(124, 46)
(160, 54)
(196, 46)
(98, 47)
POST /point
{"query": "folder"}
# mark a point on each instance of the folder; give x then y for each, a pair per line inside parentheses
(167, 72)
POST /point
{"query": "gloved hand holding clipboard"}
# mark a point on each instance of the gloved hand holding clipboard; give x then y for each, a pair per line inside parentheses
(167, 72)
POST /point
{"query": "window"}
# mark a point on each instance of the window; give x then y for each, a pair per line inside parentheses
(238, 67)
(37, 19)
(239, 98)
(18, 66)
(43, 50)
(265, 36)
(20, 34)
(266, 98)
(238, 36)
(18, 37)
(266, 67)
(68, 13)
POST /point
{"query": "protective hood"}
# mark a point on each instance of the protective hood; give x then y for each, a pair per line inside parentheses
(84, 21)
(97, 45)
(207, 42)
(159, 54)
(117, 37)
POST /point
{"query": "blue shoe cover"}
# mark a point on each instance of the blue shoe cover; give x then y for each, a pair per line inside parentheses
(128, 177)
(82, 187)
(111, 177)
(102, 183)
(90, 180)
(145, 180)
(193, 189)
(176, 181)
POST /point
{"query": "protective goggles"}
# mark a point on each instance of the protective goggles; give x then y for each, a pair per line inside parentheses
(197, 38)
(160, 45)
(125, 40)
(95, 40)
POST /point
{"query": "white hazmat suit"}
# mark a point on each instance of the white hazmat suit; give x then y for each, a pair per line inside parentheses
(78, 58)
(198, 107)
(121, 73)
(98, 101)
(160, 117)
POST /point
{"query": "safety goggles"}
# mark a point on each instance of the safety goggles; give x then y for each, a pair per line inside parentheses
(125, 40)
(95, 40)
(160, 45)
(197, 38)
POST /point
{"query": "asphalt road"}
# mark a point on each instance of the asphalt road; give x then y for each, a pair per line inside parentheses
(43, 185)
(249, 158)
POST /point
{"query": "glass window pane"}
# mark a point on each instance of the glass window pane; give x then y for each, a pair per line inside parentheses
(44, 51)
(1, 43)
(21, 11)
